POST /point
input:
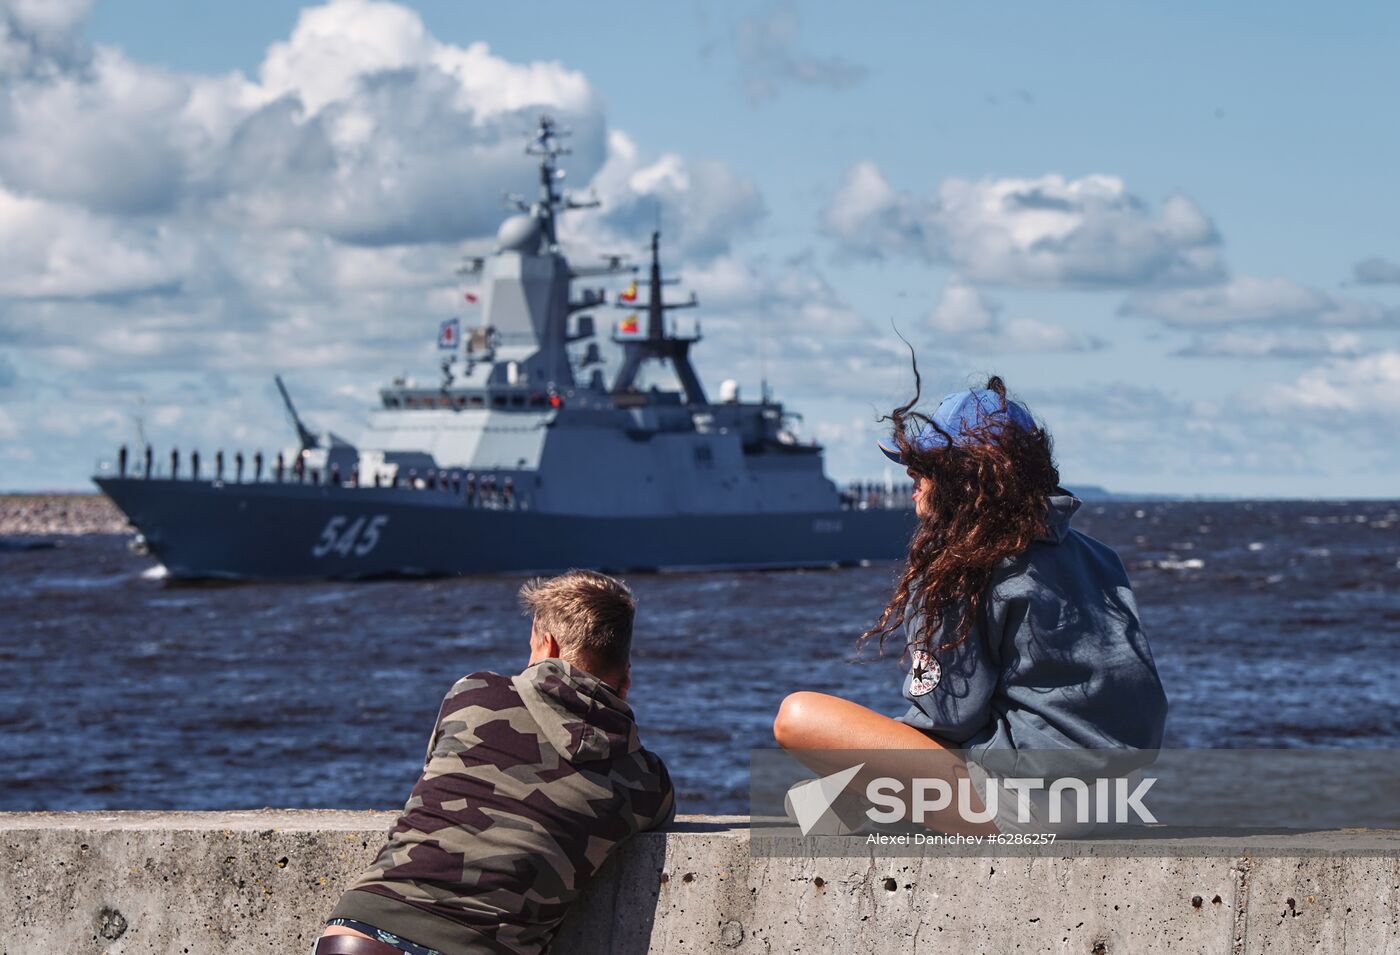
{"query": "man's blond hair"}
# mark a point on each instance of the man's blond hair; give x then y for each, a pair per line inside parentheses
(590, 614)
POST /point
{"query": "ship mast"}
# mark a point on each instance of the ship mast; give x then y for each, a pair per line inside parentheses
(546, 145)
(670, 347)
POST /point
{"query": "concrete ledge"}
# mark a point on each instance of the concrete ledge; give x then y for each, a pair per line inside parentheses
(254, 882)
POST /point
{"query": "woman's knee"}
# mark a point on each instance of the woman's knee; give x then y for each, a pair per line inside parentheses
(795, 719)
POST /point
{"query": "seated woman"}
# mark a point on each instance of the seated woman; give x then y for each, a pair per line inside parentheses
(1022, 634)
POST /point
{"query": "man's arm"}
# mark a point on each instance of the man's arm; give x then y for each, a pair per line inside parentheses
(950, 691)
(656, 806)
(667, 815)
(437, 723)
(433, 738)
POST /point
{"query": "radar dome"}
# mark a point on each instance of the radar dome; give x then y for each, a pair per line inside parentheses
(729, 391)
(519, 234)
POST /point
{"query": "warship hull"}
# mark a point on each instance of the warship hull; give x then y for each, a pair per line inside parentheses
(273, 531)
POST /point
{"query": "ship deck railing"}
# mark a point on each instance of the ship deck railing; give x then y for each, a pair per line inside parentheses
(487, 489)
(484, 489)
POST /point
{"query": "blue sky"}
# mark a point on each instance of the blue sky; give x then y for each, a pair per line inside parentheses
(1170, 229)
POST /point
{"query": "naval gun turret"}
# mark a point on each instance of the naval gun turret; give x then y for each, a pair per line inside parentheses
(316, 453)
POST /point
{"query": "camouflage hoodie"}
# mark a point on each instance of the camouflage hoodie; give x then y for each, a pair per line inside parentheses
(529, 784)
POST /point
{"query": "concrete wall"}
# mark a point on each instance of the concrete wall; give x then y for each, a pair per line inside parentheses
(255, 882)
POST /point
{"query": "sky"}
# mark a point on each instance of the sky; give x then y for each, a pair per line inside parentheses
(1171, 230)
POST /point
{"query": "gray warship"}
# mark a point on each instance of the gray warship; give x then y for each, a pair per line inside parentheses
(524, 457)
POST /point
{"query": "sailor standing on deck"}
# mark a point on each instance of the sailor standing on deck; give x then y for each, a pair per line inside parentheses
(1022, 634)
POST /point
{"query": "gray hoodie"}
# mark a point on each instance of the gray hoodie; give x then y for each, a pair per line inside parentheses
(1057, 658)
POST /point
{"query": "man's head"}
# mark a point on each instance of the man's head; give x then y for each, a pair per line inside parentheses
(585, 619)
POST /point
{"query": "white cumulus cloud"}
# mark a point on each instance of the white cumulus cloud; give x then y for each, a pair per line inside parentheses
(1249, 299)
(57, 250)
(964, 318)
(1238, 345)
(792, 299)
(1046, 232)
(39, 37)
(360, 125)
(1365, 386)
(702, 205)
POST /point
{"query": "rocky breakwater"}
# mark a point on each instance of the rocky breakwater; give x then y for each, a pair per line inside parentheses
(44, 515)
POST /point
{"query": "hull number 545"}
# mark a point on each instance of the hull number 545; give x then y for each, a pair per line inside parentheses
(344, 537)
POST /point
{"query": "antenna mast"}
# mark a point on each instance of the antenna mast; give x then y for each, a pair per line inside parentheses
(658, 343)
(546, 145)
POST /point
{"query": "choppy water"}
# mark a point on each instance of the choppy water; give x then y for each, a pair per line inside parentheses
(1273, 624)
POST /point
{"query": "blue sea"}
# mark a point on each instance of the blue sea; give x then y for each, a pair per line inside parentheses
(1273, 624)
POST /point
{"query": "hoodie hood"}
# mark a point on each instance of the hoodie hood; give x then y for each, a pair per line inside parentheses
(578, 714)
(1060, 508)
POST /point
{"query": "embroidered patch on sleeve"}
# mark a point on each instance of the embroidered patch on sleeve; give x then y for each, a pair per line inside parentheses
(925, 674)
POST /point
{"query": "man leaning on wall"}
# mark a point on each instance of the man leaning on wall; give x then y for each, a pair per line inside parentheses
(530, 783)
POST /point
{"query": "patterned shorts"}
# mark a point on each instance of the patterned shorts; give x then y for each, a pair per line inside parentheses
(388, 938)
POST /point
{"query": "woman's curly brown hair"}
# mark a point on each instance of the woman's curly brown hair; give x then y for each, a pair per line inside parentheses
(987, 502)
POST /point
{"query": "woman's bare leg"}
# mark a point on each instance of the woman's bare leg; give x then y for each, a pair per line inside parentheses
(820, 721)
(820, 729)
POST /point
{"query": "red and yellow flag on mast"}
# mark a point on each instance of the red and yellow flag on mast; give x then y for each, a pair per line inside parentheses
(629, 325)
(629, 294)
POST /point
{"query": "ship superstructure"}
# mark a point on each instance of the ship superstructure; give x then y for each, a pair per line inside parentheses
(524, 455)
